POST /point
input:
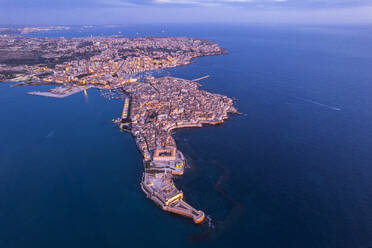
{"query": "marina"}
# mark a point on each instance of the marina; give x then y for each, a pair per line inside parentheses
(60, 92)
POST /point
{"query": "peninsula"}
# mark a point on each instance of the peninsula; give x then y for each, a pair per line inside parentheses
(153, 107)
(151, 111)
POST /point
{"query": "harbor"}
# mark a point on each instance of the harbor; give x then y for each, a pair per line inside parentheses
(152, 107)
(60, 92)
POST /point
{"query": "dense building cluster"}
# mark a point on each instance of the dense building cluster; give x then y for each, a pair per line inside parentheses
(162, 104)
(108, 62)
(159, 105)
(153, 107)
(17, 29)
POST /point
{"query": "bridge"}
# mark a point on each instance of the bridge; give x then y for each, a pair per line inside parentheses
(125, 115)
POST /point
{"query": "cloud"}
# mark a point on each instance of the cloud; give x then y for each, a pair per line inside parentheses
(262, 4)
(267, 3)
(206, 3)
(186, 11)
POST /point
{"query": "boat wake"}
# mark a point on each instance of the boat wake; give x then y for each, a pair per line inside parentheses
(209, 222)
(50, 134)
(319, 104)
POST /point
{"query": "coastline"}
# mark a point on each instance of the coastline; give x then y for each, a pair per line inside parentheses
(163, 161)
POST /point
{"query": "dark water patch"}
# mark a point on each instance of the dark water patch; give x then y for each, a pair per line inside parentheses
(289, 173)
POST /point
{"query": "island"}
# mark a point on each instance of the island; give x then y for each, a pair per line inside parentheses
(152, 110)
(153, 107)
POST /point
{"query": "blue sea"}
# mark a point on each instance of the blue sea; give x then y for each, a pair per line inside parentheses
(294, 171)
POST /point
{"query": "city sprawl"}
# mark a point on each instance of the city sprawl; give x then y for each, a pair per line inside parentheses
(105, 62)
(153, 107)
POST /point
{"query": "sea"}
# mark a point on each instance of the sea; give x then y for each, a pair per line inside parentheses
(295, 170)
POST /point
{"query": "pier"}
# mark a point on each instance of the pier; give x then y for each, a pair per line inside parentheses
(201, 78)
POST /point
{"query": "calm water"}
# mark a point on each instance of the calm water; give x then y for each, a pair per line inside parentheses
(295, 171)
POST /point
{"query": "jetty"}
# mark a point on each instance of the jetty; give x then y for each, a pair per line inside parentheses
(60, 92)
(201, 78)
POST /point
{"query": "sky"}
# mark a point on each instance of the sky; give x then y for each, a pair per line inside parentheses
(69, 12)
